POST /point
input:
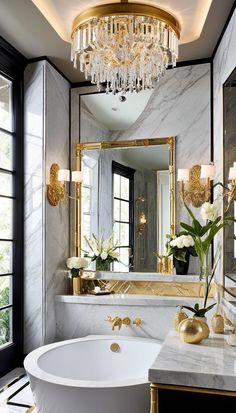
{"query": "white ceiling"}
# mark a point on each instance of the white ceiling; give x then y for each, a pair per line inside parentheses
(191, 14)
(26, 28)
(112, 113)
(153, 158)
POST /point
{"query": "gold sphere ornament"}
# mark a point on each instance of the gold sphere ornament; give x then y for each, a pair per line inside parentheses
(217, 323)
(191, 331)
(179, 316)
(206, 330)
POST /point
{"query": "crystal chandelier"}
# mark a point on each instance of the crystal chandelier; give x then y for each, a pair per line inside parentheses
(125, 45)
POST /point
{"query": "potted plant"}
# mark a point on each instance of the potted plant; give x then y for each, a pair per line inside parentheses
(181, 246)
(75, 265)
(102, 252)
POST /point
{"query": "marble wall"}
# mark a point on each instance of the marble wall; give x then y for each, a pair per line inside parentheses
(46, 227)
(179, 106)
(223, 64)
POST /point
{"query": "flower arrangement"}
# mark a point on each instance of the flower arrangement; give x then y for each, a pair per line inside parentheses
(203, 236)
(180, 245)
(103, 252)
(75, 264)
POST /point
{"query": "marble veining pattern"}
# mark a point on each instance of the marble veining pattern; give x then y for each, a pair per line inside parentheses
(208, 365)
(46, 227)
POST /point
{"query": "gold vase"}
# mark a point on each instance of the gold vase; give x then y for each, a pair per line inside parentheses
(217, 324)
(76, 282)
(191, 331)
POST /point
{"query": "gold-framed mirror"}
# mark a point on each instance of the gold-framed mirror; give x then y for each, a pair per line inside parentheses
(128, 189)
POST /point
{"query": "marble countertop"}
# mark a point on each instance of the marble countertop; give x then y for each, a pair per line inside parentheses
(139, 276)
(125, 299)
(211, 364)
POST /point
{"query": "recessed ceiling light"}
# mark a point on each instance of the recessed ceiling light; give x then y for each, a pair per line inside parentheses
(115, 109)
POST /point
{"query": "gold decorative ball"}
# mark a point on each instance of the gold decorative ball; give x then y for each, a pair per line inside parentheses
(217, 323)
(191, 331)
(179, 316)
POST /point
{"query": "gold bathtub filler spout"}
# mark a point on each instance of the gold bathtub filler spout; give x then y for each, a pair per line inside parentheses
(118, 322)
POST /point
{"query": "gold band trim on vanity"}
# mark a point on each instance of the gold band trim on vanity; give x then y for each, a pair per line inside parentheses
(155, 387)
(156, 288)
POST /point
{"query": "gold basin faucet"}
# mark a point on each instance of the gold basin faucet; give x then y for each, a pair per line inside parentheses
(118, 322)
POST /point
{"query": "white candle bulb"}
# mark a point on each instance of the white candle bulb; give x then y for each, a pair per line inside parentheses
(207, 171)
(183, 175)
(232, 173)
(63, 175)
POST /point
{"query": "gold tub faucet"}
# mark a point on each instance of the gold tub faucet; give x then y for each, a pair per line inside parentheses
(118, 321)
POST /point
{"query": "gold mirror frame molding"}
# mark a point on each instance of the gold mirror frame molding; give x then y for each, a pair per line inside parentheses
(126, 144)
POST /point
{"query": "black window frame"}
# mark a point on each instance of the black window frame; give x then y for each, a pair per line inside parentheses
(12, 65)
(126, 172)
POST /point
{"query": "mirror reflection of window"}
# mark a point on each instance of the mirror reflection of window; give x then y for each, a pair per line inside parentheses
(123, 205)
(89, 196)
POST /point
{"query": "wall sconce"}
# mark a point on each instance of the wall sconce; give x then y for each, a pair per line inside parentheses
(195, 184)
(141, 223)
(56, 190)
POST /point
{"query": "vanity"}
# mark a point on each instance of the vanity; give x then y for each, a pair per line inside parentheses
(207, 369)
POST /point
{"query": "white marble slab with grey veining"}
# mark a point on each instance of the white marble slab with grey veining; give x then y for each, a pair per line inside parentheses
(125, 299)
(139, 276)
(211, 364)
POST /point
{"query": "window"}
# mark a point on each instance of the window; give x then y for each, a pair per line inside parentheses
(89, 203)
(6, 210)
(123, 206)
(11, 207)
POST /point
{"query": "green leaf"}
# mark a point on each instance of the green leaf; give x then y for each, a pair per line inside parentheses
(197, 226)
(188, 308)
(196, 307)
(188, 228)
(180, 255)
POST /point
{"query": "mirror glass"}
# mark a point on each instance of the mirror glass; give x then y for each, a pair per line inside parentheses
(125, 190)
(229, 94)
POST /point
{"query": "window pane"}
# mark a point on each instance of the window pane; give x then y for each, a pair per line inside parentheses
(5, 103)
(124, 234)
(5, 326)
(86, 175)
(124, 185)
(116, 184)
(5, 291)
(5, 184)
(6, 206)
(116, 231)
(5, 151)
(123, 264)
(5, 257)
(86, 199)
(124, 211)
(116, 213)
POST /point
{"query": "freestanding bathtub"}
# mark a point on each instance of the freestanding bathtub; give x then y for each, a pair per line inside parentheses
(85, 376)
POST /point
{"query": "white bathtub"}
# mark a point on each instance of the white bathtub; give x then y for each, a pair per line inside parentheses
(85, 376)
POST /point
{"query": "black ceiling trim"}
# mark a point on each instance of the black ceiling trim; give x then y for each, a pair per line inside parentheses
(12, 61)
(224, 30)
(81, 84)
(192, 62)
(41, 58)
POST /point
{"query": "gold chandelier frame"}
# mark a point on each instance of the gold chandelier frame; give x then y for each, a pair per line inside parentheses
(125, 8)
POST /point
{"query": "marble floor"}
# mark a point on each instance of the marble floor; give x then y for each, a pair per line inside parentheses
(15, 393)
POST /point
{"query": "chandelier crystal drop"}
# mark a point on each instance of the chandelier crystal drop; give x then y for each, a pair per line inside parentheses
(127, 52)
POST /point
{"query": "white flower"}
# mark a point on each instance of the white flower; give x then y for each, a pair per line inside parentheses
(182, 241)
(104, 255)
(209, 212)
(114, 254)
(77, 263)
